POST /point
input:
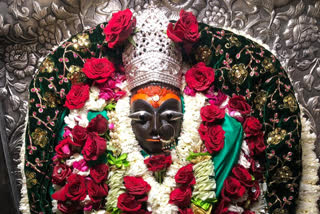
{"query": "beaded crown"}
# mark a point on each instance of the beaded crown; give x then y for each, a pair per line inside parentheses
(153, 57)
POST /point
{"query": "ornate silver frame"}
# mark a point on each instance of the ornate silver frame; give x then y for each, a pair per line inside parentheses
(30, 29)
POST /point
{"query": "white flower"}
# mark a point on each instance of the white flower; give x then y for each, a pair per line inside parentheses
(95, 103)
(77, 117)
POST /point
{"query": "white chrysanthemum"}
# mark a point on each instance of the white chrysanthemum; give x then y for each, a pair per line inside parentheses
(95, 103)
(236, 209)
(244, 151)
(77, 117)
(243, 161)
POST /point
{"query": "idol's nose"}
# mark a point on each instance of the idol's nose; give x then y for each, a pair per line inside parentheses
(155, 126)
(166, 132)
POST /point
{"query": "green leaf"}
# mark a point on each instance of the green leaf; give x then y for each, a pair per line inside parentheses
(126, 163)
(118, 162)
(203, 204)
(111, 106)
(116, 211)
(130, 39)
(123, 157)
(136, 30)
(193, 155)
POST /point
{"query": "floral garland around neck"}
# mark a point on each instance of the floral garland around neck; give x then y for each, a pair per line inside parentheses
(189, 141)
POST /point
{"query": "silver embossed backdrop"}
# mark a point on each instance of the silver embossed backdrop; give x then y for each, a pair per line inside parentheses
(30, 29)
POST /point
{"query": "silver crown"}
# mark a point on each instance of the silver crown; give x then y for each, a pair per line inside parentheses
(154, 57)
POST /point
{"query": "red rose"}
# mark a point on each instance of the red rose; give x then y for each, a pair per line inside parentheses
(158, 162)
(252, 126)
(248, 212)
(67, 206)
(136, 185)
(181, 197)
(222, 206)
(96, 191)
(185, 30)
(98, 124)
(211, 113)
(256, 169)
(256, 144)
(79, 135)
(185, 175)
(77, 96)
(213, 137)
(185, 211)
(238, 103)
(243, 175)
(63, 148)
(128, 203)
(119, 28)
(75, 189)
(94, 147)
(60, 173)
(98, 69)
(232, 188)
(254, 192)
(200, 77)
(99, 173)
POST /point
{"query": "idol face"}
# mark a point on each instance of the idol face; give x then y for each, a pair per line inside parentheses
(156, 118)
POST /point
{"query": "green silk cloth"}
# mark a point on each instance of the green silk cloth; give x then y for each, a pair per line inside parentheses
(228, 156)
(93, 114)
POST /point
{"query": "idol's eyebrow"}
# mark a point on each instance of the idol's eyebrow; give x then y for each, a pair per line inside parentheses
(174, 115)
(139, 105)
(138, 114)
(170, 104)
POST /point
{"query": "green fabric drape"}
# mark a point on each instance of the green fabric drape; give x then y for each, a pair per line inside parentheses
(228, 156)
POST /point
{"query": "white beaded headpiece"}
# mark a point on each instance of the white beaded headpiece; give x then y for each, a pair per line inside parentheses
(154, 57)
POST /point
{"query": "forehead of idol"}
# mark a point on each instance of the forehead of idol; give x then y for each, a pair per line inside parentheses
(155, 94)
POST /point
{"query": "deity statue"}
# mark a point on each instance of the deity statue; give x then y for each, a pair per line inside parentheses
(144, 115)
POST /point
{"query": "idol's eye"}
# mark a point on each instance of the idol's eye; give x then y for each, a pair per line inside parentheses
(170, 115)
(141, 116)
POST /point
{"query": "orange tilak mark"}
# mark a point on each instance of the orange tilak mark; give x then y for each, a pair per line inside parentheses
(167, 97)
(145, 98)
(147, 94)
(154, 104)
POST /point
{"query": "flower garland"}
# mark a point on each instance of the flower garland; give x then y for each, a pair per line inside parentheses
(189, 141)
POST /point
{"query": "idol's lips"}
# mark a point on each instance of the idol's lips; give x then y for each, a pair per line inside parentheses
(153, 140)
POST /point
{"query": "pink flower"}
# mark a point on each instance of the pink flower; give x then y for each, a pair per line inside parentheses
(119, 94)
(111, 126)
(106, 93)
(88, 207)
(67, 132)
(81, 165)
(189, 91)
(215, 98)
